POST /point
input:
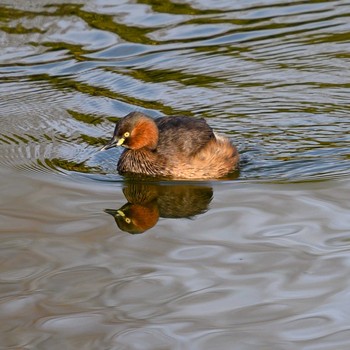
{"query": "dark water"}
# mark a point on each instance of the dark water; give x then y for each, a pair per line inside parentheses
(257, 262)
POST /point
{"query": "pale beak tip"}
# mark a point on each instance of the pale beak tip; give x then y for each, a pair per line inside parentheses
(108, 146)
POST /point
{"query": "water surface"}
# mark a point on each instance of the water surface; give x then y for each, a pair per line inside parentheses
(259, 261)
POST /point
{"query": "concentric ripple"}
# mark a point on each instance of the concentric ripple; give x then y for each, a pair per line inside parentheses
(272, 76)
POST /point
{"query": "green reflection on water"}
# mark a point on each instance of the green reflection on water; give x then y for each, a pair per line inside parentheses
(106, 23)
(165, 75)
(85, 118)
(59, 163)
(167, 6)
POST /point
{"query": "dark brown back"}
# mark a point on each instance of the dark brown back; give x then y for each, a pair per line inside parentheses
(183, 134)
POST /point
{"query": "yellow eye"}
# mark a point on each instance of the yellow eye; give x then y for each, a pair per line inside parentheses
(127, 220)
(126, 134)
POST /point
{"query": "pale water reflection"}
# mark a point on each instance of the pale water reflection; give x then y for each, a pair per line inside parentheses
(257, 262)
(266, 264)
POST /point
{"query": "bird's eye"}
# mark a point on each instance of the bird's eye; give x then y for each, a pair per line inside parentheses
(127, 220)
(126, 134)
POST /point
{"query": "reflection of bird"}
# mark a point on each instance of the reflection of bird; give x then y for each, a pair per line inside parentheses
(177, 147)
(148, 202)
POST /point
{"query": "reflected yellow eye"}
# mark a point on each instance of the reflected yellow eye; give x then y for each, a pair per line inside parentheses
(126, 134)
(126, 219)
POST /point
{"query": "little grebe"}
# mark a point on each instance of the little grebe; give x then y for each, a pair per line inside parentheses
(176, 147)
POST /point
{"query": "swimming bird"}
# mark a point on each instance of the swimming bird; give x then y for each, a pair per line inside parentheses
(176, 147)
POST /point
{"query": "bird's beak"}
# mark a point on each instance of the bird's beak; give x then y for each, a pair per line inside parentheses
(114, 212)
(114, 142)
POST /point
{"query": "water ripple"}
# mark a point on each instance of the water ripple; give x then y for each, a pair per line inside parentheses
(197, 58)
(261, 262)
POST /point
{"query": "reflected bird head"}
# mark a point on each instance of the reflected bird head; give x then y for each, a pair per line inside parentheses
(135, 218)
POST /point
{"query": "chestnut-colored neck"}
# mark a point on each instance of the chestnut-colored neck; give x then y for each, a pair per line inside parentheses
(144, 135)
